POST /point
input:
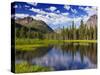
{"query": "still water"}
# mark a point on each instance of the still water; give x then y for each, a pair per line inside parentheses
(68, 56)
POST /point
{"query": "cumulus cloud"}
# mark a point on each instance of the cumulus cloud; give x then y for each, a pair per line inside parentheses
(65, 14)
(52, 8)
(35, 10)
(67, 7)
(59, 17)
(57, 11)
(19, 15)
(32, 3)
(53, 19)
(74, 11)
(39, 11)
(89, 10)
(82, 8)
(26, 6)
(41, 17)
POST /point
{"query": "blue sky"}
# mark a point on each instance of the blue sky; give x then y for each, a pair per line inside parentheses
(55, 15)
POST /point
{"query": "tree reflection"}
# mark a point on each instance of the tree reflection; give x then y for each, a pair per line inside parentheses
(29, 55)
(89, 50)
(62, 56)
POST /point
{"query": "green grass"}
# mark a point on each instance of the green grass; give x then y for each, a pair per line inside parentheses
(32, 44)
(81, 41)
(37, 41)
(25, 67)
(28, 47)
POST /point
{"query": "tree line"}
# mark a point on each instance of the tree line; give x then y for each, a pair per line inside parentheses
(83, 32)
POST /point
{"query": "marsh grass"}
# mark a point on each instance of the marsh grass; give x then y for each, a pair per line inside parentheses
(24, 67)
(35, 41)
(32, 44)
(28, 47)
(45, 41)
(81, 41)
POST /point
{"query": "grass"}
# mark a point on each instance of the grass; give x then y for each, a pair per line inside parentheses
(28, 47)
(81, 41)
(37, 41)
(25, 67)
(32, 44)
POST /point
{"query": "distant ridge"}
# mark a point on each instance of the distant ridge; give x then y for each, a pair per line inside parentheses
(38, 25)
(92, 21)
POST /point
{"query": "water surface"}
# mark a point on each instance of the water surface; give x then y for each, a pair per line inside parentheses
(68, 56)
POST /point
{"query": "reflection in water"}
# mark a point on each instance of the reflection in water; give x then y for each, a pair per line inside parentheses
(28, 55)
(62, 57)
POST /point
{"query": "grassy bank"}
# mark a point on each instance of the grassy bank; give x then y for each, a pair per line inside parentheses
(81, 41)
(25, 67)
(32, 44)
(37, 41)
(29, 47)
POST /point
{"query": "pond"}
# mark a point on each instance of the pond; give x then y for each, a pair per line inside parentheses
(68, 56)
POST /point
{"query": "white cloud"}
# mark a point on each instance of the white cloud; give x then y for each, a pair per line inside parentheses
(26, 6)
(53, 19)
(77, 19)
(58, 11)
(67, 7)
(39, 11)
(82, 8)
(35, 10)
(90, 10)
(19, 15)
(65, 14)
(46, 18)
(74, 11)
(32, 3)
(52, 8)
(58, 18)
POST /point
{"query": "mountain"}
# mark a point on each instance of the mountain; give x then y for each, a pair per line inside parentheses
(92, 21)
(37, 25)
(24, 20)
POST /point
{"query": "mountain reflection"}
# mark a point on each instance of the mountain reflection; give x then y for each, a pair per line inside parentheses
(62, 57)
